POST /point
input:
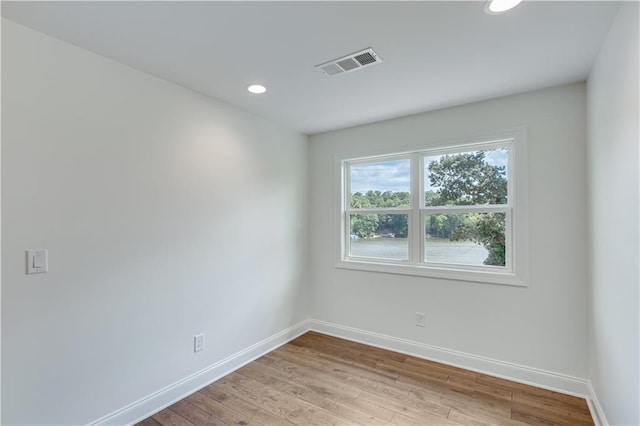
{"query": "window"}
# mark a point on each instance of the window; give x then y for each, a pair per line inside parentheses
(447, 212)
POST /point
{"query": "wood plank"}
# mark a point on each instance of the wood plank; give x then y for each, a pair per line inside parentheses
(315, 378)
(149, 421)
(432, 370)
(425, 386)
(450, 370)
(337, 361)
(372, 408)
(293, 409)
(167, 417)
(409, 407)
(535, 419)
(461, 384)
(284, 383)
(352, 349)
(343, 354)
(542, 405)
(553, 415)
(247, 409)
(487, 409)
(362, 379)
(425, 420)
(359, 348)
(220, 411)
(195, 415)
(415, 373)
(483, 416)
(545, 397)
(338, 370)
(458, 418)
(265, 402)
(522, 391)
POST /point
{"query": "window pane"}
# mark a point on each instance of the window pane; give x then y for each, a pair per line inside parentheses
(381, 236)
(465, 238)
(467, 178)
(381, 184)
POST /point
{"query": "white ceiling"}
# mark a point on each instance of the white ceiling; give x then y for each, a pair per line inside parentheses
(435, 54)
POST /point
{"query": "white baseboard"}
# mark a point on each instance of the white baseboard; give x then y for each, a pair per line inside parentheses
(595, 408)
(161, 399)
(506, 370)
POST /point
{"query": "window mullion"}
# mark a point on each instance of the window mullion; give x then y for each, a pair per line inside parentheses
(415, 233)
(509, 234)
(345, 170)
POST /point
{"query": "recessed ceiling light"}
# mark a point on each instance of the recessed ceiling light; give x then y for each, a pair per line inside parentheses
(257, 88)
(493, 7)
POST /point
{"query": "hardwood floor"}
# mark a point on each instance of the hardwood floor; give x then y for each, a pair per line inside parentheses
(322, 380)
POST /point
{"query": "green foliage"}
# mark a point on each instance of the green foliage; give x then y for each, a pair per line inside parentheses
(367, 225)
(375, 199)
(467, 179)
(431, 198)
(442, 225)
(486, 229)
(364, 225)
(395, 224)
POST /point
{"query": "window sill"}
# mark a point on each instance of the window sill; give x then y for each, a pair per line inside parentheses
(487, 277)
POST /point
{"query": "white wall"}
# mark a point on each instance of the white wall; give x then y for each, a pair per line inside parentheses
(542, 326)
(613, 132)
(166, 214)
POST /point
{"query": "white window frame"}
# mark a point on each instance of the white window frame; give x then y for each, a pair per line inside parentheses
(515, 271)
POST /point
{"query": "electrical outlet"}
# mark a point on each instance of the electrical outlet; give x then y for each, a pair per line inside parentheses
(420, 319)
(198, 343)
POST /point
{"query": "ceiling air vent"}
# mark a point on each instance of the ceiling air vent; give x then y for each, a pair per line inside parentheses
(355, 61)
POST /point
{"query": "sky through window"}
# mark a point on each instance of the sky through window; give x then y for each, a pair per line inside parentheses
(395, 175)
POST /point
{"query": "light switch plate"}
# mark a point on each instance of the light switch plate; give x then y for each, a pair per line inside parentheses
(37, 261)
